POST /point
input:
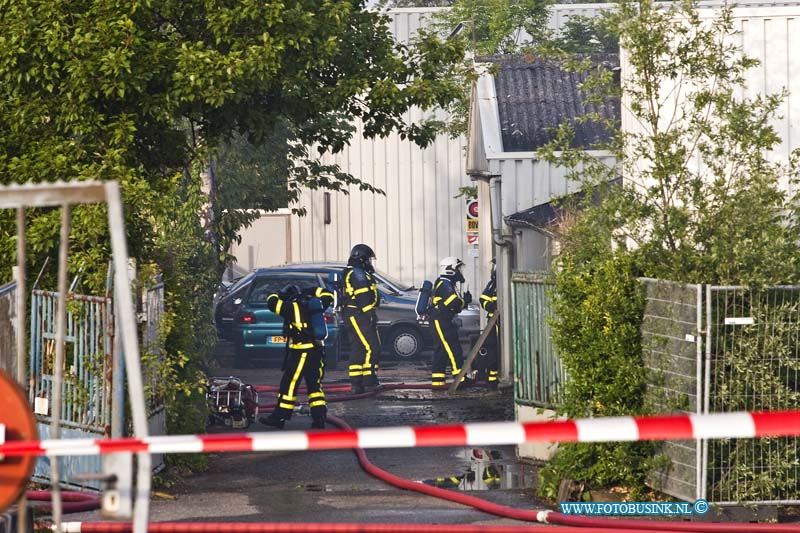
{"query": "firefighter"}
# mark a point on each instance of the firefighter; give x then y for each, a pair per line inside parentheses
(359, 302)
(487, 358)
(305, 354)
(445, 305)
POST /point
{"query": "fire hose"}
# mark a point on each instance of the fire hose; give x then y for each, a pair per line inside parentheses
(581, 430)
(74, 502)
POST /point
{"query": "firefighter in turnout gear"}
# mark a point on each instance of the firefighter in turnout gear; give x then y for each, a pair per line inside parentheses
(487, 358)
(305, 354)
(445, 305)
(359, 301)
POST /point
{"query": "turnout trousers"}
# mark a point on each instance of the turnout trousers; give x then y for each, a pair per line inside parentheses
(304, 361)
(365, 348)
(487, 364)
(448, 351)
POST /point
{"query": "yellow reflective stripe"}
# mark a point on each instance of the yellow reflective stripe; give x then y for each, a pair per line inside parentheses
(297, 321)
(286, 405)
(438, 375)
(367, 347)
(484, 297)
(297, 372)
(439, 284)
(347, 286)
(369, 307)
(354, 373)
(287, 397)
(450, 299)
(317, 403)
(437, 299)
(323, 292)
(316, 395)
(279, 306)
(455, 480)
(367, 372)
(302, 345)
(492, 378)
(447, 348)
(362, 290)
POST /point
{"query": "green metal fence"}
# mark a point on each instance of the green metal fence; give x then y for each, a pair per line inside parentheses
(539, 374)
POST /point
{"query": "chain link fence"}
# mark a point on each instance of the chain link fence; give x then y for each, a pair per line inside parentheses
(752, 363)
(707, 349)
(671, 353)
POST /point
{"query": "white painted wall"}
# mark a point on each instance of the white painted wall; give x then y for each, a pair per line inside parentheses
(770, 34)
(267, 242)
(418, 221)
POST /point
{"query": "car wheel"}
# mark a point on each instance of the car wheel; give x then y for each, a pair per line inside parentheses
(404, 342)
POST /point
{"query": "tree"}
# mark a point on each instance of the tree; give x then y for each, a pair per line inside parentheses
(155, 95)
(702, 203)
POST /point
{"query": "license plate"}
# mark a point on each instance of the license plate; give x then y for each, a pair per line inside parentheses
(278, 340)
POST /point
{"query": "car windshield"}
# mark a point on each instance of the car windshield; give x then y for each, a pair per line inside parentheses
(267, 284)
(239, 282)
(394, 284)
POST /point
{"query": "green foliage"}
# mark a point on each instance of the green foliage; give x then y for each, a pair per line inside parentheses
(585, 35)
(702, 203)
(467, 192)
(760, 367)
(597, 306)
(200, 110)
(498, 26)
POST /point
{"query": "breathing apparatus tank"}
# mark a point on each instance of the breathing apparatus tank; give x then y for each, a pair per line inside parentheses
(317, 319)
(424, 299)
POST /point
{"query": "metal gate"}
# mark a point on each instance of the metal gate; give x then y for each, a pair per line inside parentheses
(153, 358)
(671, 352)
(540, 376)
(8, 333)
(87, 387)
(752, 363)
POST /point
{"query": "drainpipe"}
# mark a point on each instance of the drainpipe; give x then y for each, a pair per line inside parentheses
(505, 255)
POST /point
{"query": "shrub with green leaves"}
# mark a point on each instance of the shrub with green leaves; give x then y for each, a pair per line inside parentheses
(702, 201)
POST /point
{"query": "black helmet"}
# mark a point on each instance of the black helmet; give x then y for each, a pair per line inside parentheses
(290, 291)
(361, 256)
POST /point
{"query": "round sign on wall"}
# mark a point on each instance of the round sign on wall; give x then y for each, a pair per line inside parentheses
(472, 209)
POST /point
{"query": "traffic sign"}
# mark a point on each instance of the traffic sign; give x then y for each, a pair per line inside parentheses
(472, 222)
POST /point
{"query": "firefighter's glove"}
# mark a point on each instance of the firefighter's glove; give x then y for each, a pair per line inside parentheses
(467, 297)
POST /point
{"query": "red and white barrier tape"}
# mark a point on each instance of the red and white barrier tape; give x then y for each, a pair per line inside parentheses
(609, 429)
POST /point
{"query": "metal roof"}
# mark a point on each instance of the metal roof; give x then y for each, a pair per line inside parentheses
(534, 96)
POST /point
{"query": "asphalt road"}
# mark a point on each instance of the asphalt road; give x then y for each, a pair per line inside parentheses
(329, 486)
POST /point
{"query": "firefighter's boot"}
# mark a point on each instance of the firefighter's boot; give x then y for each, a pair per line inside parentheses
(273, 420)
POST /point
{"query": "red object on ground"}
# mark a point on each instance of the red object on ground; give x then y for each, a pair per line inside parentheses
(73, 502)
(15, 472)
(299, 527)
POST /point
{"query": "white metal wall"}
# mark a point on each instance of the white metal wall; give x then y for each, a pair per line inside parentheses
(770, 34)
(417, 222)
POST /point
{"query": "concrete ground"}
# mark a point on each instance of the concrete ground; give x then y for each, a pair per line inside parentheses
(329, 486)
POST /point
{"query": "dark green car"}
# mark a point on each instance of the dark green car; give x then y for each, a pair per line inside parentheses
(257, 333)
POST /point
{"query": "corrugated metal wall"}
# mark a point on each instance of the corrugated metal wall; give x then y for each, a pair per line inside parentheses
(770, 33)
(417, 222)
